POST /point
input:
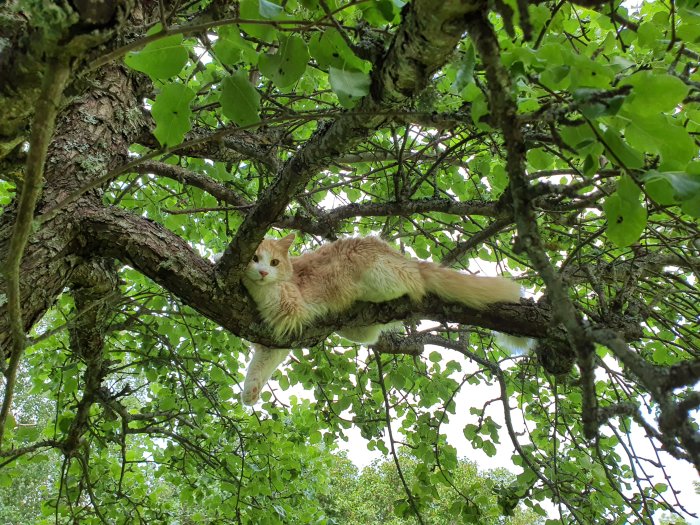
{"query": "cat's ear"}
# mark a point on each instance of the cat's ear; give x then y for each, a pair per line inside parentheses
(288, 240)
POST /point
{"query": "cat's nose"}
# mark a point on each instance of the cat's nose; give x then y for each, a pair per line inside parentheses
(263, 273)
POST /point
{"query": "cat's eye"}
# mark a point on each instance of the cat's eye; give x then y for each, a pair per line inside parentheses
(274, 262)
(255, 258)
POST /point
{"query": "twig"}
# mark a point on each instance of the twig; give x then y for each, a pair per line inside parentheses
(283, 25)
(387, 414)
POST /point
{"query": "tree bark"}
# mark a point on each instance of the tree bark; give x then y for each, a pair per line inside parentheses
(92, 137)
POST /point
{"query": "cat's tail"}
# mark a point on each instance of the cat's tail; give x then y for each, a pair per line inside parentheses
(472, 290)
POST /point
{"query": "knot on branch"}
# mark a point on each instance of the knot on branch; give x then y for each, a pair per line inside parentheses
(396, 343)
(555, 355)
(94, 286)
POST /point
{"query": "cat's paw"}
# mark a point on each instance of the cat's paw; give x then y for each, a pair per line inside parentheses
(251, 393)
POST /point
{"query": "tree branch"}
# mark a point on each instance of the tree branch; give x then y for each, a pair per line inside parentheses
(405, 70)
(195, 179)
(504, 110)
(55, 79)
(258, 146)
(93, 284)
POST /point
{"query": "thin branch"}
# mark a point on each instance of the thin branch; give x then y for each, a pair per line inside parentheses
(193, 178)
(55, 79)
(387, 415)
(288, 25)
(504, 110)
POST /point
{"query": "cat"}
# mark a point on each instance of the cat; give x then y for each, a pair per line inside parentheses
(292, 292)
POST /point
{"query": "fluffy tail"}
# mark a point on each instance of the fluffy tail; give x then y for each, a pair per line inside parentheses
(473, 290)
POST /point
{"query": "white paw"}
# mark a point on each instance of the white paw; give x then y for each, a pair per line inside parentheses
(251, 393)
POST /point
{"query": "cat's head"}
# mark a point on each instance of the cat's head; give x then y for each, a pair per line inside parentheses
(271, 262)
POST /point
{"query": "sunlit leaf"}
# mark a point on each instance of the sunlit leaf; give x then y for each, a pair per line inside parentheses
(161, 59)
(171, 111)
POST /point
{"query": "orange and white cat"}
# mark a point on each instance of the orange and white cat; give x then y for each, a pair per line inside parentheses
(292, 292)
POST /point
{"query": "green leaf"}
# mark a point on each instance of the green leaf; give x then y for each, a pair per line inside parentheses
(489, 448)
(480, 108)
(269, 10)
(311, 5)
(654, 92)
(167, 401)
(353, 194)
(64, 421)
(171, 111)
(669, 187)
(620, 152)
(579, 138)
(289, 63)
(663, 135)
(329, 49)
(231, 47)
(10, 422)
(588, 73)
(660, 190)
(626, 215)
(240, 101)
(465, 73)
(6, 478)
(692, 206)
(627, 189)
(689, 30)
(539, 159)
(161, 59)
(349, 86)
(218, 375)
(557, 77)
(379, 12)
(251, 10)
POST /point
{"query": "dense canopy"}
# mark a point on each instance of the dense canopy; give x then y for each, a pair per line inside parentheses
(553, 142)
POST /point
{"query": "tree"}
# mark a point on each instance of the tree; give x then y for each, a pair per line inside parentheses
(370, 497)
(556, 142)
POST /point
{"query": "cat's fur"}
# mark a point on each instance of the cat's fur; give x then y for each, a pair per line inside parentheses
(292, 292)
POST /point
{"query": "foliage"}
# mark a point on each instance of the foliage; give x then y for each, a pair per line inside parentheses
(463, 496)
(557, 143)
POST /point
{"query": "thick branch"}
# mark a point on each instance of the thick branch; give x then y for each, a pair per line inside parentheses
(169, 261)
(94, 285)
(29, 36)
